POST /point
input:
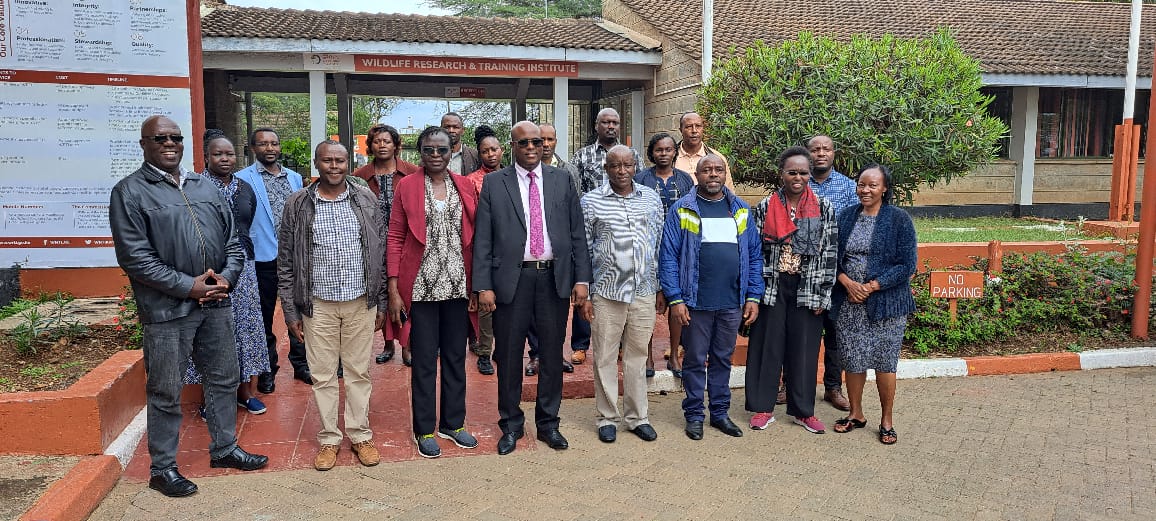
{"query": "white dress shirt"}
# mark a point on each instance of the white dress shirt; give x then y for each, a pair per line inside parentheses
(524, 190)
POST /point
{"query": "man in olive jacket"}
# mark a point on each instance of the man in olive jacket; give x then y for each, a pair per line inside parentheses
(331, 279)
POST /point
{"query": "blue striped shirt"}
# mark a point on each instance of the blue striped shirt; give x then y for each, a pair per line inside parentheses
(623, 234)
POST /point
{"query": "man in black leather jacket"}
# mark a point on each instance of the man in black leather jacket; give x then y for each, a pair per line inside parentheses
(174, 238)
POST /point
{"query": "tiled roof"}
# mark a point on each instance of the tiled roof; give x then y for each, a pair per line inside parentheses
(1006, 36)
(248, 22)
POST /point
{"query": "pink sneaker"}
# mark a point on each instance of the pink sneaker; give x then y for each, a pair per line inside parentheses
(812, 424)
(761, 420)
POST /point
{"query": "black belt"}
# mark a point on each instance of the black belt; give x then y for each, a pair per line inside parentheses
(539, 265)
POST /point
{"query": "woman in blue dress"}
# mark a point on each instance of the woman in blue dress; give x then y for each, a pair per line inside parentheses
(248, 329)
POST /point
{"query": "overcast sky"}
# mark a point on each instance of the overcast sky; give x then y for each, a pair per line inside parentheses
(362, 6)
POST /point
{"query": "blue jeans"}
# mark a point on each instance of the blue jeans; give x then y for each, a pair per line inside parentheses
(207, 334)
(710, 337)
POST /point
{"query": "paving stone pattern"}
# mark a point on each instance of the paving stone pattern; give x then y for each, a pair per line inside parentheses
(1058, 446)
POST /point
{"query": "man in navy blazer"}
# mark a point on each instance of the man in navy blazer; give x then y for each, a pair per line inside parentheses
(273, 183)
(531, 265)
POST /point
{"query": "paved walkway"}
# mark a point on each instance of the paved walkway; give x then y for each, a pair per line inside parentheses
(1072, 445)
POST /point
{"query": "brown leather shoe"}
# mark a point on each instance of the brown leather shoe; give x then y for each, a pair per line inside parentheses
(326, 457)
(367, 453)
(577, 357)
(781, 398)
(836, 399)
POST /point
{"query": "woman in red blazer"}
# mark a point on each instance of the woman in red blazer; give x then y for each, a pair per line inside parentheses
(430, 258)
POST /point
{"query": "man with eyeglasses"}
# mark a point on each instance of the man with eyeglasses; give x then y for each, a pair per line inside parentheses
(273, 183)
(465, 158)
(174, 238)
(623, 227)
(530, 264)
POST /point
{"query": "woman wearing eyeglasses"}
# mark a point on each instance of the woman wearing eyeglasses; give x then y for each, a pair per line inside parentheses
(670, 183)
(248, 329)
(382, 175)
(800, 241)
(430, 257)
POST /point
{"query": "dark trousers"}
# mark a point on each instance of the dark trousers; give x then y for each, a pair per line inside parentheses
(206, 334)
(439, 328)
(832, 369)
(710, 336)
(784, 341)
(579, 335)
(535, 303)
(267, 288)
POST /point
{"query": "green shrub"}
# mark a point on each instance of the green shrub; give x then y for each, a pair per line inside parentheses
(912, 104)
(1089, 293)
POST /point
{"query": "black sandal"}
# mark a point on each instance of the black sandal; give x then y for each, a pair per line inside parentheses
(885, 433)
(848, 424)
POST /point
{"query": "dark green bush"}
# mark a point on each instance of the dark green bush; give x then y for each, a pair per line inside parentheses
(912, 104)
(1077, 291)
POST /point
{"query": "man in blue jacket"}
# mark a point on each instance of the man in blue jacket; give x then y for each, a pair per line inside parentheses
(273, 183)
(710, 269)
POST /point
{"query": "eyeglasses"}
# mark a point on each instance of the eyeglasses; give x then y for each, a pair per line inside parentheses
(527, 141)
(441, 151)
(162, 138)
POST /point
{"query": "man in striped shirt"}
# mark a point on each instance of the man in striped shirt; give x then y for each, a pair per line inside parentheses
(623, 228)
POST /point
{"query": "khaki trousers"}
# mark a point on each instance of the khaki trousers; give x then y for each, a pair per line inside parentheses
(341, 330)
(629, 325)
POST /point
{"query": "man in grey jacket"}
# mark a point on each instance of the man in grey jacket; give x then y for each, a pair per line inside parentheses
(174, 238)
(331, 279)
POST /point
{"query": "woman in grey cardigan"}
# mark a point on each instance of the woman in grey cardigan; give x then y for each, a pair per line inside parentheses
(877, 257)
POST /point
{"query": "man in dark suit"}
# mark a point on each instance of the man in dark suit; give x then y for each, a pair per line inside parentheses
(530, 265)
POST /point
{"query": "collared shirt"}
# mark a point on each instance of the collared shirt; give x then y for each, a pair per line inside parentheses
(455, 164)
(575, 176)
(837, 188)
(524, 190)
(688, 163)
(338, 261)
(590, 161)
(182, 176)
(623, 234)
(278, 189)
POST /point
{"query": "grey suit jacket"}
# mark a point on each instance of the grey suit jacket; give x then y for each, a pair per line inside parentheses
(500, 233)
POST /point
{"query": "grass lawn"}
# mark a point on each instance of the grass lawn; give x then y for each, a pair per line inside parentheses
(986, 229)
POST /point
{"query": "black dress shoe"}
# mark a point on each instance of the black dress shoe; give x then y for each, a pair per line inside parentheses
(645, 431)
(266, 383)
(508, 442)
(305, 376)
(607, 433)
(567, 367)
(485, 366)
(384, 357)
(727, 426)
(694, 430)
(554, 439)
(532, 367)
(172, 484)
(239, 459)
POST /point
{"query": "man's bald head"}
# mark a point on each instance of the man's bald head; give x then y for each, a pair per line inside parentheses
(607, 125)
(526, 138)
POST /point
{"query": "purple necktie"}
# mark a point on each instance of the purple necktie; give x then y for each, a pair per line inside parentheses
(537, 241)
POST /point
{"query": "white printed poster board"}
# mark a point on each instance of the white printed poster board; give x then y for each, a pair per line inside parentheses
(77, 78)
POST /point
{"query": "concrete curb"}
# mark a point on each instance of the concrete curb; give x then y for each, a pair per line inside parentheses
(123, 447)
(664, 381)
(77, 494)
